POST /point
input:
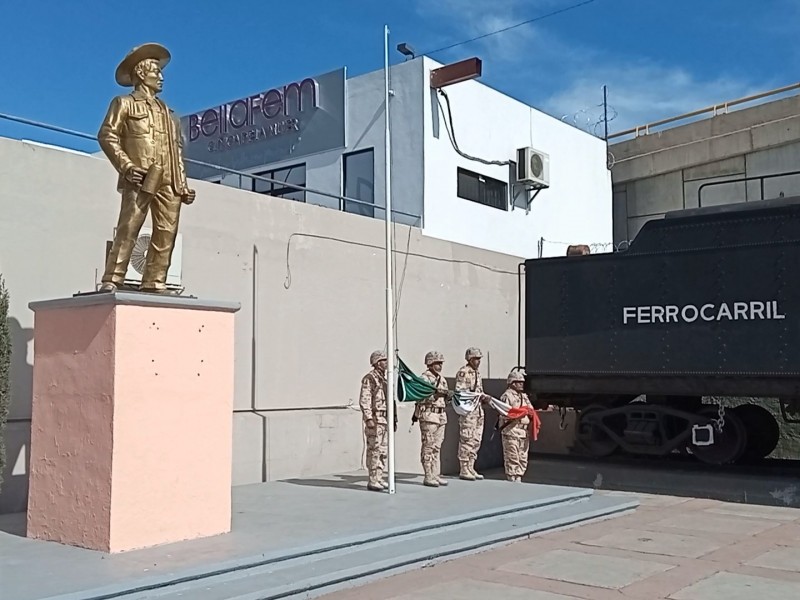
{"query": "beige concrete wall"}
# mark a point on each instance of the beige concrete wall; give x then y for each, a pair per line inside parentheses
(663, 171)
(311, 284)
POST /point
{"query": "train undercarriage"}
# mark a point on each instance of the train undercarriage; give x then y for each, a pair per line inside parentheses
(655, 426)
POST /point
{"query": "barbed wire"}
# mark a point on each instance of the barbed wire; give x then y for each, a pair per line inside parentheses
(592, 122)
(593, 246)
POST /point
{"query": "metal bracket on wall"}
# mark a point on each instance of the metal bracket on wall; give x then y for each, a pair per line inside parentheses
(520, 187)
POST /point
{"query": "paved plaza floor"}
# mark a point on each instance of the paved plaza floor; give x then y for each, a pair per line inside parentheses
(669, 548)
(293, 536)
(292, 539)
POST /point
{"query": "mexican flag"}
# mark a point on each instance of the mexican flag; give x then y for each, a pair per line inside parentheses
(411, 387)
(512, 414)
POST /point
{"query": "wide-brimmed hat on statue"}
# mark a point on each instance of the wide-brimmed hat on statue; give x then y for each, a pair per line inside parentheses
(135, 56)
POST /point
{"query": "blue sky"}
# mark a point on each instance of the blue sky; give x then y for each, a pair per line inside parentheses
(658, 58)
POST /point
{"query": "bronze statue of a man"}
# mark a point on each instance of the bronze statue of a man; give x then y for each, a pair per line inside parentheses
(142, 139)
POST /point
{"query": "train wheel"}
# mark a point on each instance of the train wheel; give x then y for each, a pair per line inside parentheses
(728, 445)
(763, 431)
(591, 438)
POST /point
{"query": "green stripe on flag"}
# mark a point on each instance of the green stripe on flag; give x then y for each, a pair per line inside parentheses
(411, 387)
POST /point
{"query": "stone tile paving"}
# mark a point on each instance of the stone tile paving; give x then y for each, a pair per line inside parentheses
(669, 549)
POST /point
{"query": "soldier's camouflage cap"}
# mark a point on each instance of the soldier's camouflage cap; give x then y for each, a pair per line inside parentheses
(473, 353)
(516, 375)
(433, 356)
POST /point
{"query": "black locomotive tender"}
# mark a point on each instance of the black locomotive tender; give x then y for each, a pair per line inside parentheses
(703, 303)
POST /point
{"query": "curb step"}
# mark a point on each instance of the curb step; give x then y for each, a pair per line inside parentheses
(323, 573)
(156, 586)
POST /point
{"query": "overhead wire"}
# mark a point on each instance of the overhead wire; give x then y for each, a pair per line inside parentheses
(510, 27)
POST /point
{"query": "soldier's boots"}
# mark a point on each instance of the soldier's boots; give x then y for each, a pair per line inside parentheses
(376, 483)
(466, 474)
(473, 472)
(442, 481)
(430, 479)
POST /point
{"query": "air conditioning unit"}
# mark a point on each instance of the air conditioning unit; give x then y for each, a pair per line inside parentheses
(533, 168)
(133, 276)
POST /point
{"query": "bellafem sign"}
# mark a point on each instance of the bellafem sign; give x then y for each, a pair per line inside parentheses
(246, 112)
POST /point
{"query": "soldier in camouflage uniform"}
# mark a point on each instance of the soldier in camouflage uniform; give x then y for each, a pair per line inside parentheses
(432, 420)
(516, 440)
(372, 400)
(470, 426)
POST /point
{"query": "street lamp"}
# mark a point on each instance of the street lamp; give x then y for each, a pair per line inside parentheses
(406, 50)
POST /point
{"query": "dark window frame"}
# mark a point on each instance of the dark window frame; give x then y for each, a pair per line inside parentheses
(483, 192)
(358, 209)
(275, 189)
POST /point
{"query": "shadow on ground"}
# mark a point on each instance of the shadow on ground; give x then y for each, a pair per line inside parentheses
(14, 524)
(353, 482)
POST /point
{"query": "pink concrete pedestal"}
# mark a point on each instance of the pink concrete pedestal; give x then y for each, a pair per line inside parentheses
(132, 420)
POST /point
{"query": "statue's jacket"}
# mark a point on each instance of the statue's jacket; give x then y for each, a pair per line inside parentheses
(141, 131)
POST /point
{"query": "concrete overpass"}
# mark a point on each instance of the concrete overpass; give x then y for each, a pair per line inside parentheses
(661, 166)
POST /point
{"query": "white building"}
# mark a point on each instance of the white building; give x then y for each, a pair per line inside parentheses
(327, 133)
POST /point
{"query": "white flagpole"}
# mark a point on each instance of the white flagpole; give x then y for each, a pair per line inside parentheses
(390, 342)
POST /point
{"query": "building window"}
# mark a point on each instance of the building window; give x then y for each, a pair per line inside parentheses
(296, 174)
(482, 189)
(359, 182)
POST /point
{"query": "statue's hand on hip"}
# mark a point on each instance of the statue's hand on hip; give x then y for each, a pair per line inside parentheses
(135, 175)
(187, 197)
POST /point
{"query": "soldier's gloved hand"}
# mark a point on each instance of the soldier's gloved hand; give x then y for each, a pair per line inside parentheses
(370, 424)
(135, 175)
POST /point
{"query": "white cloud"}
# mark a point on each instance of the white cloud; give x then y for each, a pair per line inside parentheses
(639, 93)
(565, 77)
(472, 18)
